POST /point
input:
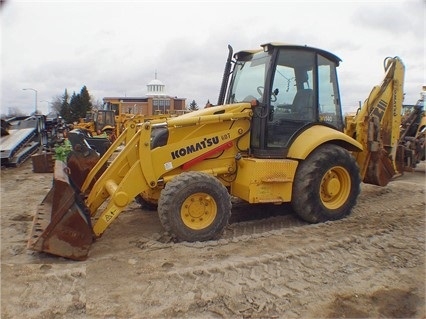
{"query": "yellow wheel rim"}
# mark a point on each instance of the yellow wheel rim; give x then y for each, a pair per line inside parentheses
(335, 187)
(198, 211)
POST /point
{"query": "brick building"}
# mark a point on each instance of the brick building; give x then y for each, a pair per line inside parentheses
(156, 101)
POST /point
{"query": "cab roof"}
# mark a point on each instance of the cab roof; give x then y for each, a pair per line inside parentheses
(268, 46)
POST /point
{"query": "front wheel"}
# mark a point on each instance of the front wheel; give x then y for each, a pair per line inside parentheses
(194, 206)
(326, 185)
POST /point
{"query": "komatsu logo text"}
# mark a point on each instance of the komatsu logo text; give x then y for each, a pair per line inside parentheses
(207, 142)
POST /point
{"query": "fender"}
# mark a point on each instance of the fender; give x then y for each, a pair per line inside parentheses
(316, 135)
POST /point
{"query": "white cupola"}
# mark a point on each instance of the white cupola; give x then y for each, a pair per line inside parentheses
(156, 87)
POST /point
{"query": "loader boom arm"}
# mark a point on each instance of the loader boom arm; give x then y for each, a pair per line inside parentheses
(377, 126)
(138, 168)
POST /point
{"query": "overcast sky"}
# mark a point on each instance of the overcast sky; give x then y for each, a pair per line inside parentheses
(115, 47)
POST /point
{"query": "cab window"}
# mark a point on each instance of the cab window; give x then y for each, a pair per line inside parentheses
(328, 93)
(293, 101)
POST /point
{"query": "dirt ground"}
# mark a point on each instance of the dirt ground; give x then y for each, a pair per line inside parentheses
(268, 264)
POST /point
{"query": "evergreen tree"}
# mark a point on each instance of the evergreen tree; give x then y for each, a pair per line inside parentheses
(85, 100)
(193, 106)
(75, 107)
(65, 111)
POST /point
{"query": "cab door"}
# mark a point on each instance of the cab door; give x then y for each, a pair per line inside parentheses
(302, 91)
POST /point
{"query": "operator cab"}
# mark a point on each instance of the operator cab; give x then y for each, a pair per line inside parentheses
(296, 87)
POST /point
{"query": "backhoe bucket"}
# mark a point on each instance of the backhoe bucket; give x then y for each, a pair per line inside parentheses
(380, 169)
(62, 225)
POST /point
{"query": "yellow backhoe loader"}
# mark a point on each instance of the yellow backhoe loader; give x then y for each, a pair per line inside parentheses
(276, 135)
(95, 121)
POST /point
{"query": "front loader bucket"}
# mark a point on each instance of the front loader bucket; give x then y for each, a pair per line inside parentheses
(62, 224)
(80, 164)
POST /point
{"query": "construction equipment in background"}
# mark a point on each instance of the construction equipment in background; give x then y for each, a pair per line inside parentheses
(95, 121)
(94, 147)
(85, 159)
(101, 127)
(276, 136)
(413, 133)
(21, 137)
(109, 122)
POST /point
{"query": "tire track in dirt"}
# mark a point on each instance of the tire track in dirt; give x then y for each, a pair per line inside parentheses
(385, 200)
(281, 277)
(296, 259)
(63, 286)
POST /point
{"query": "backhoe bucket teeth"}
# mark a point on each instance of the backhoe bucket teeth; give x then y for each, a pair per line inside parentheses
(62, 223)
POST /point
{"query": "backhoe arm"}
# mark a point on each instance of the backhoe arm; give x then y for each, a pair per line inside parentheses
(377, 126)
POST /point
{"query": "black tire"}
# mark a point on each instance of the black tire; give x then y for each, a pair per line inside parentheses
(326, 185)
(194, 206)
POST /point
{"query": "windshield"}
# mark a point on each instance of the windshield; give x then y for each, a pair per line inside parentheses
(249, 78)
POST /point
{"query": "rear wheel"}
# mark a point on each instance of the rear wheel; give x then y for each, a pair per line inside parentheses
(194, 206)
(326, 185)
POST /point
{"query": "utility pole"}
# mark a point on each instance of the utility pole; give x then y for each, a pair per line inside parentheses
(35, 104)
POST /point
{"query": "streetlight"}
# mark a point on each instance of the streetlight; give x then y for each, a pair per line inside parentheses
(48, 105)
(35, 98)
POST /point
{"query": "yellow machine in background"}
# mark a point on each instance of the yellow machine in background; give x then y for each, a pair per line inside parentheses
(413, 133)
(96, 120)
(277, 135)
(109, 120)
